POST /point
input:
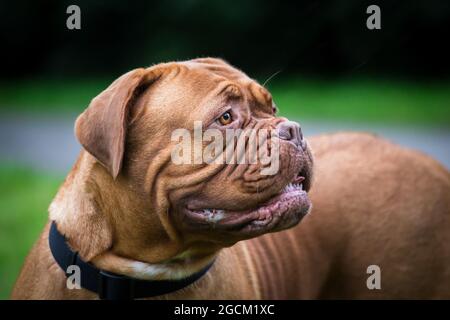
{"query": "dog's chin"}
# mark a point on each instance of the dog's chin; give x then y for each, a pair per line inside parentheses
(282, 211)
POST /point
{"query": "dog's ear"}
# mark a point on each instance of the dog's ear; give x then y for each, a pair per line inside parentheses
(101, 128)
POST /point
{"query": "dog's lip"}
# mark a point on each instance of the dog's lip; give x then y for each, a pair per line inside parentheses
(289, 206)
(299, 179)
(304, 177)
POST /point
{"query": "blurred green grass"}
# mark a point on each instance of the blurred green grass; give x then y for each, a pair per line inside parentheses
(24, 198)
(49, 95)
(386, 101)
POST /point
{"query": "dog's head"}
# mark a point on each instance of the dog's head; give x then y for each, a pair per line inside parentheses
(147, 120)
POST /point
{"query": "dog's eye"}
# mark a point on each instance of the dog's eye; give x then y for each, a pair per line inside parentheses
(274, 109)
(225, 119)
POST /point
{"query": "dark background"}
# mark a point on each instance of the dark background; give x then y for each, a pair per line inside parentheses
(262, 37)
(336, 75)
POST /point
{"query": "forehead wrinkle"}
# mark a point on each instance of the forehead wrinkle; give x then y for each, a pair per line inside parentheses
(206, 102)
(258, 96)
(229, 90)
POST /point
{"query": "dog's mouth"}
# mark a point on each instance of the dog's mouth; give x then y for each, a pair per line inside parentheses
(282, 211)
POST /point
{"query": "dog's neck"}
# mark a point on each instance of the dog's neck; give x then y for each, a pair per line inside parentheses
(110, 228)
(169, 270)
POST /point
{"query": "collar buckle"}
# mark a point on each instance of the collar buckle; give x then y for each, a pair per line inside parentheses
(115, 287)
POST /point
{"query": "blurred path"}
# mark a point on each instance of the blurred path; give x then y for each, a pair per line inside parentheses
(45, 143)
(48, 143)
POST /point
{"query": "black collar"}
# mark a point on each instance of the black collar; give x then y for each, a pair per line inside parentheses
(109, 285)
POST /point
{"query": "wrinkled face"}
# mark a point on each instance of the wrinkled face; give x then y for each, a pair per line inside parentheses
(221, 202)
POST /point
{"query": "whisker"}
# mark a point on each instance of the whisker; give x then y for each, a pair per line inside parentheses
(272, 76)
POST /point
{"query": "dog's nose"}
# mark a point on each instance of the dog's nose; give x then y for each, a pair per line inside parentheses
(291, 131)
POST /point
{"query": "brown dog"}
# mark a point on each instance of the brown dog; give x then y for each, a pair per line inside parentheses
(127, 208)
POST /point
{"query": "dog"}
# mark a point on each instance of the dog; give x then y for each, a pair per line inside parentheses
(318, 229)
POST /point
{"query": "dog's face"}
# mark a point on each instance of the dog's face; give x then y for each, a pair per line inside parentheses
(130, 129)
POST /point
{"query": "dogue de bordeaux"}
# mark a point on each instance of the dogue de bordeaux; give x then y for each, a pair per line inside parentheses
(127, 209)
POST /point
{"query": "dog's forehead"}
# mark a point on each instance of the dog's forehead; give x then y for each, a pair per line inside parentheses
(231, 78)
(217, 67)
(206, 81)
